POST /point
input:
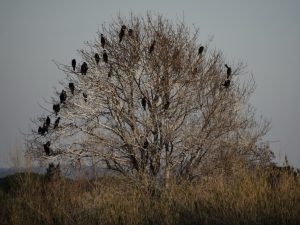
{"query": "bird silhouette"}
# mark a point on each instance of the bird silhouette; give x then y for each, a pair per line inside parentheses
(48, 121)
(56, 108)
(74, 64)
(151, 49)
(228, 71)
(200, 51)
(122, 33)
(105, 56)
(84, 68)
(84, 96)
(56, 123)
(97, 58)
(102, 41)
(226, 83)
(72, 88)
(41, 131)
(47, 148)
(63, 96)
(45, 127)
(144, 103)
(130, 32)
(166, 105)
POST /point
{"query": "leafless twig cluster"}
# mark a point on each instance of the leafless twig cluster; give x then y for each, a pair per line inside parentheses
(147, 99)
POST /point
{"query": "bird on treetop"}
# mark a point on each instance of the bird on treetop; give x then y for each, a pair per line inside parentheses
(97, 58)
(74, 64)
(105, 56)
(102, 41)
(151, 49)
(228, 71)
(122, 33)
(200, 51)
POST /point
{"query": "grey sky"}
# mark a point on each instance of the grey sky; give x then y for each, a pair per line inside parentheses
(265, 34)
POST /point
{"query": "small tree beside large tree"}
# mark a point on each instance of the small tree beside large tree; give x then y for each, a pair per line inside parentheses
(151, 102)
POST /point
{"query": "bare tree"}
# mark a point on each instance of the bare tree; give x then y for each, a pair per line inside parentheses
(148, 100)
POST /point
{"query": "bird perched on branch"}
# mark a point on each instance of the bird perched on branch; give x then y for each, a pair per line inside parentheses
(48, 121)
(200, 51)
(144, 103)
(166, 105)
(105, 56)
(43, 130)
(74, 64)
(130, 32)
(84, 68)
(226, 83)
(151, 49)
(45, 127)
(102, 41)
(84, 96)
(97, 58)
(228, 71)
(72, 88)
(47, 148)
(40, 131)
(56, 123)
(56, 108)
(63, 96)
(122, 33)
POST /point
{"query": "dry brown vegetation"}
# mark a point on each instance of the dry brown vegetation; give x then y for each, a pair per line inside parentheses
(247, 197)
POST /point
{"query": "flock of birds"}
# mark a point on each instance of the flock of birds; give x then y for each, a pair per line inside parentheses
(83, 70)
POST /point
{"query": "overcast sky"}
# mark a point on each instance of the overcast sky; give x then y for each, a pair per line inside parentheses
(265, 34)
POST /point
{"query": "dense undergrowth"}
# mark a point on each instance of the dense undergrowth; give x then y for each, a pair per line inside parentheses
(244, 198)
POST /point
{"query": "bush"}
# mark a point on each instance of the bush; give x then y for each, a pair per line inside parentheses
(245, 198)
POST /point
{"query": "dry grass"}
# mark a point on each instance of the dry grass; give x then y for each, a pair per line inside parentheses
(245, 198)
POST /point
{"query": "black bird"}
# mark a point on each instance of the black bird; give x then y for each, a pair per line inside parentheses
(74, 64)
(97, 58)
(228, 71)
(105, 56)
(146, 144)
(85, 96)
(130, 32)
(63, 96)
(56, 108)
(102, 41)
(151, 49)
(47, 148)
(48, 121)
(72, 88)
(45, 127)
(200, 51)
(122, 33)
(84, 68)
(226, 84)
(166, 105)
(56, 123)
(41, 131)
(144, 103)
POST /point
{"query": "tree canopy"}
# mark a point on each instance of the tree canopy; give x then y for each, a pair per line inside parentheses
(148, 98)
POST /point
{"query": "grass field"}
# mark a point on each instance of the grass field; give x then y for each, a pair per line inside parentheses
(247, 197)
